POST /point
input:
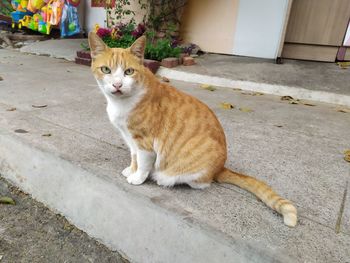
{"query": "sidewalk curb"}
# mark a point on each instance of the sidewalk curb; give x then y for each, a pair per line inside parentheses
(280, 90)
(139, 228)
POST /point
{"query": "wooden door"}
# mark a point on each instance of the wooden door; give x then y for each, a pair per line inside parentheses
(316, 29)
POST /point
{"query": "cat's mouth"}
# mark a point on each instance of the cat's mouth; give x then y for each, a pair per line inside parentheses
(117, 92)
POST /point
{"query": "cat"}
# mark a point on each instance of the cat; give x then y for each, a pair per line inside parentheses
(173, 137)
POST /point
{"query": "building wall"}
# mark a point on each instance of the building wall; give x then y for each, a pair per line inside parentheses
(240, 27)
(93, 16)
(210, 24)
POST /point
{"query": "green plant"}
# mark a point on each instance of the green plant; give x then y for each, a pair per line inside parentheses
(85, 46)
(161, 49)
(124, 41)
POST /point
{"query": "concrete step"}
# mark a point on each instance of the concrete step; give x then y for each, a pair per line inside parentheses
(297, 149)
(297, 91)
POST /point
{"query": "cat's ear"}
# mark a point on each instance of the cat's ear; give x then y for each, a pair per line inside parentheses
(97, 46)
(138, 47)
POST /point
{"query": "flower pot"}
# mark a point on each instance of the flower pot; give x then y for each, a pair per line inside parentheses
(152, 65)
(83, 54)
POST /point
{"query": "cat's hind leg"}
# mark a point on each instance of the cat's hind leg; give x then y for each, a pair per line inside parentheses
(202, 182)
(145, 163)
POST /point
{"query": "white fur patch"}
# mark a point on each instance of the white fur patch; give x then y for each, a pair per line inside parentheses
(168, 180)
(145, 163)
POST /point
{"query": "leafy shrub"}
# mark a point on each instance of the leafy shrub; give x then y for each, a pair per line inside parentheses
(123, 35)
(162, 48)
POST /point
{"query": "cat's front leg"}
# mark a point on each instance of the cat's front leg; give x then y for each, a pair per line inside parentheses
(132, 168)
(145, 162)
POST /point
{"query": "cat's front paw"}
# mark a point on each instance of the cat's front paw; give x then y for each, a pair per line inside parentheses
(137, 178)
(127, 171)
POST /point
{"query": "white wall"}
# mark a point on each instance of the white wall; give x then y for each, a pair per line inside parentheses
(93, 16)
(259, 27)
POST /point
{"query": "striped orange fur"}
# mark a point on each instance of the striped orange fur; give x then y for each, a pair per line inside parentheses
(173, 137)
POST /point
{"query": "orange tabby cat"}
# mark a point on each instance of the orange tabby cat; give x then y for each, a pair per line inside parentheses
(173, 137)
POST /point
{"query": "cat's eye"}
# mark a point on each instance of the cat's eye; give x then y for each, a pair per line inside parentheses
(106, 70)
(129, 71)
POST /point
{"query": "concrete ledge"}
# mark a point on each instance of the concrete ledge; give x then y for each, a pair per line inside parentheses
(124, 221)
(296, 92)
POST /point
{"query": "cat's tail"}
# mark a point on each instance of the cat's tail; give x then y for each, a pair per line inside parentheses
(263, 192)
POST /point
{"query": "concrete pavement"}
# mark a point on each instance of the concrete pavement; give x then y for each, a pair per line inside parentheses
(297, 149)
(324, 82)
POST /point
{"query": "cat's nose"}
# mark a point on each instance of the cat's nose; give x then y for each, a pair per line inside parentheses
(117, 85)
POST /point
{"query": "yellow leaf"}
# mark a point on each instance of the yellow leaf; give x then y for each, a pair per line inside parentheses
(208, 87)
(226, 105)
(344, 65)
(347, 155)
(243, 109)
(7, 200)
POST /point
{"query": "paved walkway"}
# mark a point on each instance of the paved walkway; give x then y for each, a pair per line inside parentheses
(325, 82)
(296, 148)
(315, 76)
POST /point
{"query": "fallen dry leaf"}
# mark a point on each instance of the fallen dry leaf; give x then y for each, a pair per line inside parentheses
(347, 155)
(208, 87)
(308, 104)
(244, 109)
(293, 102)
(226, 106)
(46, 135)
(21, 131)
(7, 200)
(257, 93)
(343, 64)
(39, 105)
(11, 109)
(343, 110)
(287, 98)
(68, 226)
(165, 79)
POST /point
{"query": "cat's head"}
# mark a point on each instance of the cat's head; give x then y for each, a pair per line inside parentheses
(118, 71)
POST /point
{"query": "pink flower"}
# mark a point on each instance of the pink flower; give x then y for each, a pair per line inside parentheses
(103, 32)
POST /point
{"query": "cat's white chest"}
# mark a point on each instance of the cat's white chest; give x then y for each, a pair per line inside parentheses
(118, 114)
